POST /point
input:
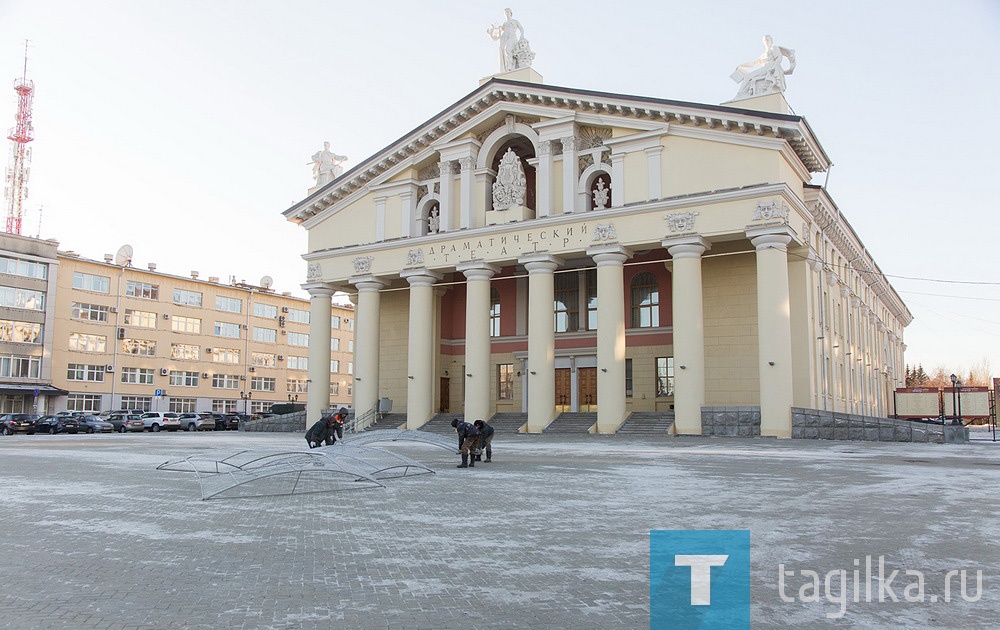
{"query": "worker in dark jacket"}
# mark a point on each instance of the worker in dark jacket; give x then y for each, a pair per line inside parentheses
(485, 439)
(468, 438)
(339, 419)
(320, 432)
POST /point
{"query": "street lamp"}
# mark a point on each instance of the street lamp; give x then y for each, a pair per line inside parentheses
(959, 419)
(954, 404)
(246, 396)
(294, 398)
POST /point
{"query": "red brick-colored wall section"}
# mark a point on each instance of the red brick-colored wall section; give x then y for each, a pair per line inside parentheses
(653, 263)
(453, 310)
(506, 286)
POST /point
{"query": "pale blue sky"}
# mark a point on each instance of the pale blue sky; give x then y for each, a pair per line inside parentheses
(185, 127)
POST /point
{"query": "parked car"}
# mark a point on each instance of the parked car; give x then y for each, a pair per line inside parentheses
(93, 424)
(50, 425)
(157, 421)
(232, 422)
(104, 415)
(126, 422)
(11, 423)
(197, 422)
(220, 421)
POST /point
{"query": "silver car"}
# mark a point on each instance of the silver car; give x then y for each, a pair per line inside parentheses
(158, 421)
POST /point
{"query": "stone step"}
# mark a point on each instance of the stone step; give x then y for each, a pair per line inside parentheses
(647, 423)
(572, 423)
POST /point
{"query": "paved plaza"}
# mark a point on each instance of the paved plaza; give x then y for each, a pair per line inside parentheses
(553, 534)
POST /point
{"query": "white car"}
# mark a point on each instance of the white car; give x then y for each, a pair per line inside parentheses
(158, 421)
(197, 422)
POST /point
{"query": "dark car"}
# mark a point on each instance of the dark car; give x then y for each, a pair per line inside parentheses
(124, 423)
(220, 421)
(11, 423)
(93, 424)
(50, 425)
(232, 422)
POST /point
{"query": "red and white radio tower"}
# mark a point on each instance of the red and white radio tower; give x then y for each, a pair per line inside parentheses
(18, 169)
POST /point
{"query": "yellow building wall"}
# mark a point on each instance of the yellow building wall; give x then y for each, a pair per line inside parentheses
(695, 165)
(352, 225)
(393, 217)
(393, 349)
(731, 346)
(636, 177)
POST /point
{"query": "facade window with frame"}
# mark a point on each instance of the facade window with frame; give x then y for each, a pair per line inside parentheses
(143, 403)
(664, 377)
(82, 372)
(179, 378)
(141, 347)
(591, 280)
(89, 312)
(90, 282)
(628, 378)
(143, 290)
(225, 329)
(334, 366)
(262, 384)
(350, 345)
(645, 301)
(505, 381)
(298, 363)
(335, 344)
(27, 299)
(298, 339)
(185, 297)
(350, 367)
(567, 302)
(335, 321)
(83, 402)
(335, 389)
(141, 319)
(179, 323)
(87, 343)
(350, 324)
(263, 359)
(183, 405)
(225, 381)
(24, 268)
(266, 335)
(16, 366)
(230, 356)
(222, 405)
(137, 376)
(299, 316)
(269, 311)
(228, 304)
(185, 352)
(20, 332)
(297, 386)
(350, 389)
(494, 312)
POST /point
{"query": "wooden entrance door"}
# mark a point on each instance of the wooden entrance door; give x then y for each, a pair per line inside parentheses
(588, 388)
(564, 390)
(445, 396)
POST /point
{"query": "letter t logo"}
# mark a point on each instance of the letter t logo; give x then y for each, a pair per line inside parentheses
(701, 576)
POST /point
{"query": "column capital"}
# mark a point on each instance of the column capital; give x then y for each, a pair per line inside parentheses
(366, 284)
(421, 277)
(320, 289)
(446, 167)
(609, 254)
(770, 237)
(540, 263)
(686, 246)
(478, 270)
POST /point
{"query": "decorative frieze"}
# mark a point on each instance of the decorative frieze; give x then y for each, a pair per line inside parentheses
(414, 257)
(363, 264)
(605, 232)
(767, 211)
(511, 185)
(429, 172)
(681, 221)
(601, 195)
(314, 271)
(592, 137)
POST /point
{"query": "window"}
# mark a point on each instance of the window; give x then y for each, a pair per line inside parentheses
(298, 363)
(664, 376)
(225, 329)
(20, 332)
(350, 323)
(183, 405)
(228, 304)
(494, 313)
(350, 345)
(220, 405)
(299, 316)
(142, 319)
(505, 381)
(183, 379)
(87, 343)
(225, 381)
(335, 321)
(645, 301)
(263, 359)
(297, 386)
(350, 389)
(334, 366)
(187, 298)
(83, 402)
(141, 347)
(87, 282)
(262, 384)
(22, 298)
(350, 367)
(81, 372)
(335, 389)
(335, 344)
(179, 323)
(298, 339)
(89, 312)
(137, 376)
(226, 355)
(143, 403)
(16, 366)
(23, 268)
(628, 378)
(185, 352)
(265, 310)
(142, 290)
(267, 335)
(591, 276)
(567, 302)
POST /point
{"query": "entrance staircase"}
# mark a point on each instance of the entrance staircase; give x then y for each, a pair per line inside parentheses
(647, 423)
(571, 423)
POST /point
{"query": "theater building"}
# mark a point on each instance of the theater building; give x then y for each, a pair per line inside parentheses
(542, 250)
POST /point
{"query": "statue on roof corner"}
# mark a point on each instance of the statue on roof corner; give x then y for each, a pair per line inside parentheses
(765, 74)
(515, 52)
(327, 165)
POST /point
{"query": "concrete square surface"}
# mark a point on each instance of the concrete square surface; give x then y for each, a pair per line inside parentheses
(553, 534)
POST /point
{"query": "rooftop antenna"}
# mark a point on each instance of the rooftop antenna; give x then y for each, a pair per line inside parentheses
(39, 233)
(18, 169)
(124, 256)
(266, 282)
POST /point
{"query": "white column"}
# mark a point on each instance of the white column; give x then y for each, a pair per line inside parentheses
(570, 169)
(618, 175)
(610, 261)
(320, 311)
(654, 171)
(420, 373)
(445, 201)
(367, 334)
(543, 185)
(468, 165)
(773, 331)
(478, 377)
(688, 331)
(380, 218)
(541, 340)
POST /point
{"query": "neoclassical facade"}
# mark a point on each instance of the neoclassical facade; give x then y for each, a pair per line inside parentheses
(536, 249)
